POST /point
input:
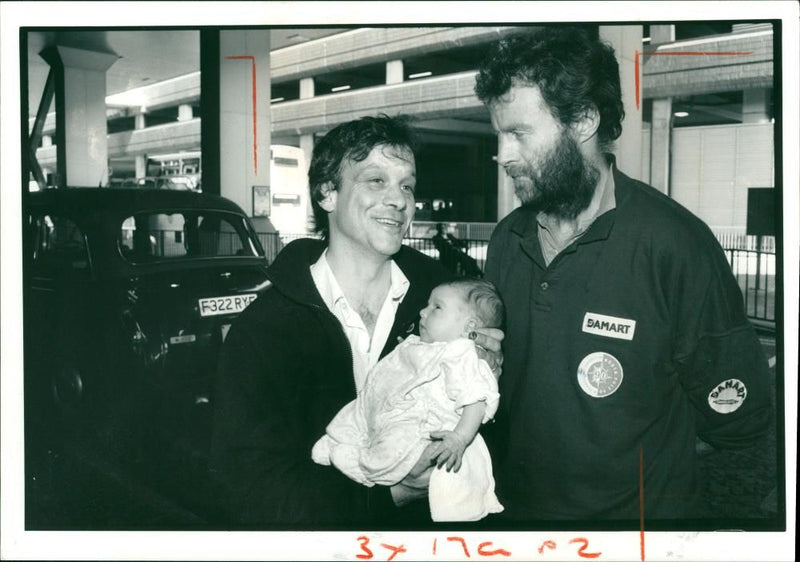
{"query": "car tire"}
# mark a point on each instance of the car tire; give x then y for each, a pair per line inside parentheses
(67, 387)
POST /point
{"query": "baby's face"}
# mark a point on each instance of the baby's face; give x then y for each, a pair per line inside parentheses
(446, 316)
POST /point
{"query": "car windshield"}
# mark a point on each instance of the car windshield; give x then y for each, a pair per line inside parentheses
(145, 237)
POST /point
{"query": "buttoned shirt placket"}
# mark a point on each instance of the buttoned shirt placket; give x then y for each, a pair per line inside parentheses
(602, 201)
(366, 352)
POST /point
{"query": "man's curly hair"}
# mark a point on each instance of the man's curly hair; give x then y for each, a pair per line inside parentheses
(573, 70)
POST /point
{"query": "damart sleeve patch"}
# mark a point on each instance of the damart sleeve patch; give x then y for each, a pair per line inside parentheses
(727, 396)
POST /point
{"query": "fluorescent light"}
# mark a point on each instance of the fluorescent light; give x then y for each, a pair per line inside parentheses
(273, 100)
(340, 88)
(419, 75)
(681, 114)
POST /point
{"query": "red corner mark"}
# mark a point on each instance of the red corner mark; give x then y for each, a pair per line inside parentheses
(252, 60)
(641, 501)
(678, 54)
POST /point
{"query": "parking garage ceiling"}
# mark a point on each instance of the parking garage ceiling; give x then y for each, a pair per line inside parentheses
(146, 56)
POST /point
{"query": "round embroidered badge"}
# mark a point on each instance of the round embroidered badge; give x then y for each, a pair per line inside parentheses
(599, 374)
(727, 396)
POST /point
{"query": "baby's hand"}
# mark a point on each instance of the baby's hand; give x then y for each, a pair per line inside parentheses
(453, 446)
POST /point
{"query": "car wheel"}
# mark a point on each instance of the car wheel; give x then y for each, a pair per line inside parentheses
(67, 387)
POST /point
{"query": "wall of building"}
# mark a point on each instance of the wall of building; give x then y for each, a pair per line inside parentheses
(712, 168)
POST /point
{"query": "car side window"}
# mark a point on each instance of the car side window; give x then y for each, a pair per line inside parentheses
(189, 234)
(59, 246)
(218, 237)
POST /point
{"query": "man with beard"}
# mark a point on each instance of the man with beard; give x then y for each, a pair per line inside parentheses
(626, 336)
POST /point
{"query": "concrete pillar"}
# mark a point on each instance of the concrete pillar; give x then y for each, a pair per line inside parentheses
(660, 143)
(627, 41)
(140, 165)
(140, 160)
(81, 130)
(244, 114)
(210, 124)
(307, 140)
(138, 120)
(661, 34)
(755, 105)
(394, 72)
(661, 126)
(184, 112)
(306, 88)
(307, 145)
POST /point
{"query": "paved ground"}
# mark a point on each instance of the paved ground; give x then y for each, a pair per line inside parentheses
(743, 484)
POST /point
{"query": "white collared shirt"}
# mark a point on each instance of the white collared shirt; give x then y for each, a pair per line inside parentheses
(366, 353)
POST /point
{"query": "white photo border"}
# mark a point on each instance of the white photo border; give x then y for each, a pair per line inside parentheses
(309, 545)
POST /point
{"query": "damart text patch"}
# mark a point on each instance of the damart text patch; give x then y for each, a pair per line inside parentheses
(609, 326)
(727, 396)
(600, 374)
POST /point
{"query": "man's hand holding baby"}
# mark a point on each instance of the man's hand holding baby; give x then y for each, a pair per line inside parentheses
(488, 342)
(415, 485)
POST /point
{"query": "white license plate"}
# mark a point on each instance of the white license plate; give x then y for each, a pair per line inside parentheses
(225, 305)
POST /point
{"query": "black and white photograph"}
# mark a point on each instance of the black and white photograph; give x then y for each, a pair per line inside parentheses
(399, 280)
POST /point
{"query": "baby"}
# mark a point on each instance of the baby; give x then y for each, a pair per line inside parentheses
(431, 386)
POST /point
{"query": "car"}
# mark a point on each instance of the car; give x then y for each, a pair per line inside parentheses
(129, 294)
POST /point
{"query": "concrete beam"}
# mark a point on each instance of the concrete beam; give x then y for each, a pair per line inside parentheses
(433, 98)
(172, 137)
(696, 67)
(456, 125)
(175, 91)
(373, 45)
(720, 112)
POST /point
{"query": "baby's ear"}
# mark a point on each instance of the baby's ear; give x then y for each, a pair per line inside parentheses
(470, 325)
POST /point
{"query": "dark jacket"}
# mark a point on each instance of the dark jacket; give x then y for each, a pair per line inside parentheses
(286, 369)
(631, 342)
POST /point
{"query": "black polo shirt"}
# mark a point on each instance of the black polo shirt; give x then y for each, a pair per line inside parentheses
(630, 343)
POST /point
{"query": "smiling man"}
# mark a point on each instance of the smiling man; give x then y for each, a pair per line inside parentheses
(303, 349)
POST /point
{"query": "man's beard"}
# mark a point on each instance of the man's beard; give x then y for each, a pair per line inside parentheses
(563, 184)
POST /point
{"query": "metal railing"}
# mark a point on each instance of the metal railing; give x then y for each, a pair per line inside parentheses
(752, 261)
(755, 272)
(738, 239)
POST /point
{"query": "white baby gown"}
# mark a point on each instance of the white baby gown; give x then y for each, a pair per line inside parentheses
(416, 389)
